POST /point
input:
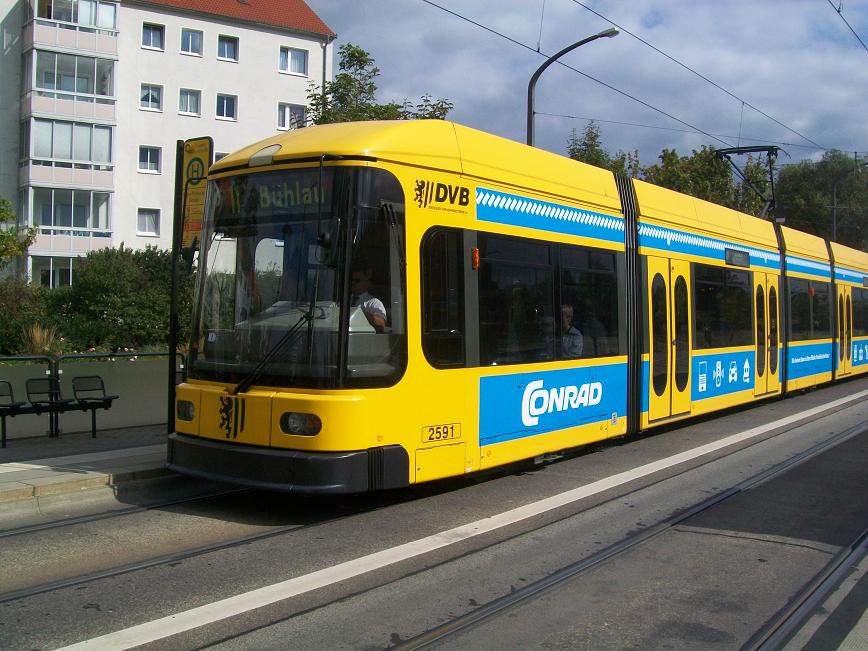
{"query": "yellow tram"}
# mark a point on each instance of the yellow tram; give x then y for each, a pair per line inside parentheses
(386, 303)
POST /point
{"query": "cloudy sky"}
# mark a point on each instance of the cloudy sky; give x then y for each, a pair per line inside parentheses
(796, 61)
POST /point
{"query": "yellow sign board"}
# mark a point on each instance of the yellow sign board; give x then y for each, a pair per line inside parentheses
(196, 161)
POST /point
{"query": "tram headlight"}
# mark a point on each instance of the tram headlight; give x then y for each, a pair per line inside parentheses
(300, 424)
(185, 410)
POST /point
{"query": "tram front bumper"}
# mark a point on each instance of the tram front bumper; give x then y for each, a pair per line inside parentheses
(293, 471)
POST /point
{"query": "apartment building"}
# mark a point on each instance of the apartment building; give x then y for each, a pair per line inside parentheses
(87, 148)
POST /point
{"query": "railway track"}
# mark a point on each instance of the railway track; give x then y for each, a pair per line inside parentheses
(487, 612)
(766, 639)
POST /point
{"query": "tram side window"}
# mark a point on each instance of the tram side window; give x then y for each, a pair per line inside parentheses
(810, 316)
(860, 312)
(443, 298)
(722, 298)
(589, 303)
(516, 304)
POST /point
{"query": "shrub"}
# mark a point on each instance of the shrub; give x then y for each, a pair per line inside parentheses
(20, 306)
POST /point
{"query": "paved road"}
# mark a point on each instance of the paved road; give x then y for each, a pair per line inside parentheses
(375, 571)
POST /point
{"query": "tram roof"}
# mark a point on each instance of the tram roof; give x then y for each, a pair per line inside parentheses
(805, 244)
(439, 145)
(848, 257)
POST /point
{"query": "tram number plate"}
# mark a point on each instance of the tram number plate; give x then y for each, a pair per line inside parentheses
(431, 433)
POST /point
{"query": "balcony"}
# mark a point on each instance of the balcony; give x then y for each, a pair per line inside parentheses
(52, 33)
(68, 105)
(63, 174)
(76, 241)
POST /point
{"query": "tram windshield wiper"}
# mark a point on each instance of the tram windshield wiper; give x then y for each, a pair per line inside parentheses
(287, 339)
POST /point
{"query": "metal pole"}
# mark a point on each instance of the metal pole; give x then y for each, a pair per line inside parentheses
(177, 232)
(608, 33)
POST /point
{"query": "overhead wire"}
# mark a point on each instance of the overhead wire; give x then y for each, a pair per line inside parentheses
(839, 11)
(576, 70)
(659, 128)
(699, 74)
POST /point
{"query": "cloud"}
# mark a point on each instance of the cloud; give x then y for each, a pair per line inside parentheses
(796, 61)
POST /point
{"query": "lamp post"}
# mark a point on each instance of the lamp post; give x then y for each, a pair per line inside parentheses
(608, 33)
(840, 178)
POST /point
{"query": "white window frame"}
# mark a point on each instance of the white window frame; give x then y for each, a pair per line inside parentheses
(162, 29)
(284, 116)
(223, 116)
(152, 152)
(192, 53)
(198, 94)
(221, 38)
(160, 89)
(288, 70)
(143, 212)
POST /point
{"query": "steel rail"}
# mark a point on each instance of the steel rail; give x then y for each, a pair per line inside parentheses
(498, 606)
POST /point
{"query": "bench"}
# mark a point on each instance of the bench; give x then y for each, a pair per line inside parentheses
(8, 407)
(89, 392)
(43, 395)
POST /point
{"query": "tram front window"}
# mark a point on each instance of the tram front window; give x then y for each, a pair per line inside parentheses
(274, 305)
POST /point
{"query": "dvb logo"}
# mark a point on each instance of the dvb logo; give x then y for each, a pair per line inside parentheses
(428, 192)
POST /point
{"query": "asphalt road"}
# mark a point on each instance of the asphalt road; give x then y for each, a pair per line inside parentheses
(376, 571)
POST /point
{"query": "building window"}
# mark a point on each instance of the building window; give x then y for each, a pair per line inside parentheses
(148, 222)
(149, 159)
(82, 12)
(293, 61)
(69, 141)
(227, 107)
(227, 48)
(68, 73)
(290, 116)
(51, 271)
(60, 211)
(190, 102)
(152, 36)
(191, 42)
(152, 97)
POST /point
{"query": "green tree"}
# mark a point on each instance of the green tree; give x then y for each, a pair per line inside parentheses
(13, 240)
(20, 307)
(588, 148)
(351, 97)
(805, 197)
(706, 176)
(120, 298)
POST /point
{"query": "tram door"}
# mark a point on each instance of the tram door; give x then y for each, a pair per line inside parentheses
(669, 324)
(767, 377)
(844, 312)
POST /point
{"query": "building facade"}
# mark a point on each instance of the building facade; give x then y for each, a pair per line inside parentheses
(107, 88)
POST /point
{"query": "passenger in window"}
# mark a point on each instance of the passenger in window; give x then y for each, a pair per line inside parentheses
(571, 340)
(371, 306)
(595, 342)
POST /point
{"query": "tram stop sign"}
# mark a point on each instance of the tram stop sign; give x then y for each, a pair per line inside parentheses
(196, 161)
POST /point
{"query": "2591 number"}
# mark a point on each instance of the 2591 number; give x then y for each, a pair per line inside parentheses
(432, 433)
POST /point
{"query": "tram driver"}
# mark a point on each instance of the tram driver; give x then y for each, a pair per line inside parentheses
(371, 306)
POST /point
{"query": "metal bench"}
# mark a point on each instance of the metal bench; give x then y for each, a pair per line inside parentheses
(43, 394)
(8, 407)
(90, 394)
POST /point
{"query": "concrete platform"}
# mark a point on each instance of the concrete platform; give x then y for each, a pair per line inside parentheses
(40, 467)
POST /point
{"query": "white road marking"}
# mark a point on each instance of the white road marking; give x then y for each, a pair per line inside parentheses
(242, 603)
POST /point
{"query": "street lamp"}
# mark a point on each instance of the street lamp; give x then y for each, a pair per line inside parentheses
(855, 168)
(608, 33)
